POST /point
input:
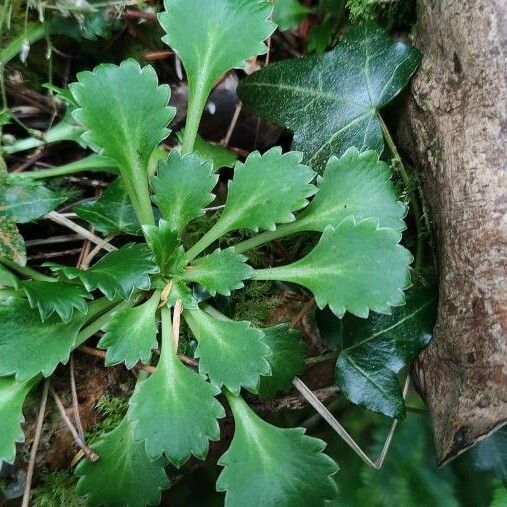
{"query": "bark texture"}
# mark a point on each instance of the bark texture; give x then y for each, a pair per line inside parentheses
(456, 134)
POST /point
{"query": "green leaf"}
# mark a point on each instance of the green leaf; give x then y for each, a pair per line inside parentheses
(28, 347)
(409, 476)
(266, 190)
(490, 455)
(233, 354)
(165, 245)
(112, 212)
(56, 297)
(124, 476)
(12, 244)
(180, 290)
(220, 271)
(358, 185)
(5, 117)
(355, 267)
(499, 497)
(375, 350)
(118, 273)
(183, 188)
(27, 201)
(12, 397)
(289, 13)
(131, 334)
(269, 466)
(287, 359)
(136, 106)
(175, 410)
(331, 102)
(135, 123)
(321, 36)
(7, 278)
(205, 37)
(218, 155)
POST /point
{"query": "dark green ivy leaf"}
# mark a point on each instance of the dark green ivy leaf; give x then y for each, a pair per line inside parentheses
(26, 201)
(111, 212)
(118, 273)
(28, 347)
(124, 476)
(490, 455)
(375, 350)
(56, 297)
(331, 102)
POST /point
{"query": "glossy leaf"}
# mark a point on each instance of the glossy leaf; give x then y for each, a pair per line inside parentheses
(331, 102)
(180, 290)
(126, 115)
(175, 410)
(207, 57)
(204, 36)
(409, 476)
(490, 455)
(25, 202)
(56, 297)
(165, 245)
(7, 278)
(28, 347)
(112, 212)
(124, 111)
(287, 359)
(183, 188)
(375, 350)
(131, 334)
(220, 272)
(289, 13)
(117, 274)
(269, 466)
(218, 155)
(499, 497)
(355, 267)
(12, 397)
(358, 185)
(266, 190)
(124, 476)
(12, 244)
(233, 354)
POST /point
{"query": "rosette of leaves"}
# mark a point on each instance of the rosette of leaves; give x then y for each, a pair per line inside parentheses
(137, 294)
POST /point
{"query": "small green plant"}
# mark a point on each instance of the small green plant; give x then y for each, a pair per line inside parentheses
(137, 294)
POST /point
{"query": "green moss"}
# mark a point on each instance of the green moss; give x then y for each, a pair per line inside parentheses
(362, 10)
(391, 14)
(57, 488)
(112, 409)
(256, 302)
